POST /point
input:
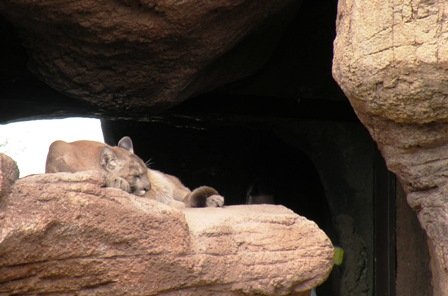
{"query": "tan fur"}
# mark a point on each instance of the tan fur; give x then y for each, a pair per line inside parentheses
(122, 168)
(169, 190)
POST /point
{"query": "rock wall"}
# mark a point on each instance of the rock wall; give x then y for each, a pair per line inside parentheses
(390, 60)
(66, 234)
(413, 276)
(128, 55)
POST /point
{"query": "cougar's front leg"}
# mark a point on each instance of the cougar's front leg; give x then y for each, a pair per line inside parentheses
(118, 182)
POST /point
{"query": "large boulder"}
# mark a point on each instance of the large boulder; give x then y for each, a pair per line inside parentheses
(391, 61)
(127, 55)
(66, 234)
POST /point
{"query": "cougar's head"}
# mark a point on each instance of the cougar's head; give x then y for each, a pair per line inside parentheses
(122, 162)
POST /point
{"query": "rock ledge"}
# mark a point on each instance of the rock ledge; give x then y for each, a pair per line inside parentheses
(67, 234)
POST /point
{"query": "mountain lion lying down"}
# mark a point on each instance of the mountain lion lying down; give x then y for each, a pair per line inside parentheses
(122, 168)
(125, 170)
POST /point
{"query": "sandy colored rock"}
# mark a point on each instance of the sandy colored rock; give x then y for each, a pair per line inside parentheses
(390, 60)
(66, 234)
(126, 55)
(9, 173)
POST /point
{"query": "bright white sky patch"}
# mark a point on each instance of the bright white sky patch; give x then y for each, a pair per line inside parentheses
(27, 142)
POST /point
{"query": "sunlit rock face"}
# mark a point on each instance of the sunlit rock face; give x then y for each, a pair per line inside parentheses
(391, 61)
(125, 55)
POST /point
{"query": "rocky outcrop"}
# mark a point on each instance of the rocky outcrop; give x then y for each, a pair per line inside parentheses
(132, 54)
(390, 60)
(66, 234)
(9, 173)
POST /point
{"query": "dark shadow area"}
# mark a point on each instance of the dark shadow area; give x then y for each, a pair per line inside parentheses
(233, 159)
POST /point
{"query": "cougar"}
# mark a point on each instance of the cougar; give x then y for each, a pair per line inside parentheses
(122, 168)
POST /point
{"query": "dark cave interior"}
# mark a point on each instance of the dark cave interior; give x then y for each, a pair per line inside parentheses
(233, 159)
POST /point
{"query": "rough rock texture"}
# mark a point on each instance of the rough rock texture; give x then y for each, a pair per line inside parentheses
(413, 276)
(391, 61)
(66, 234)
(9, 173)
(133, 53)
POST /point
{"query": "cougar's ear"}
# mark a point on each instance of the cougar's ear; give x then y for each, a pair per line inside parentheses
(108, 159)
(126, 143)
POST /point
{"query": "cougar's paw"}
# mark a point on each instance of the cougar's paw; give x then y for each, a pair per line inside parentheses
(118, 182)
(215, 200)
(204, 196)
